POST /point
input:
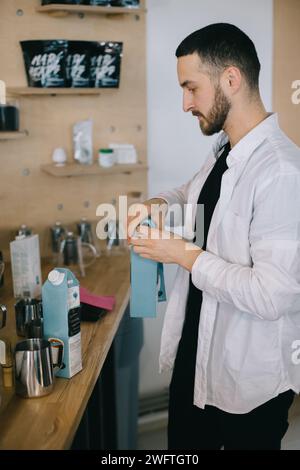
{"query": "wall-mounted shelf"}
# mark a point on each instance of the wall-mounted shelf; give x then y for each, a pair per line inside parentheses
(63, 10)
(31, 91)
(4, 135)
(75, 169)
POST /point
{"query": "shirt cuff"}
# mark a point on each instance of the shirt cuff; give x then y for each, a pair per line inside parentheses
(199, 269)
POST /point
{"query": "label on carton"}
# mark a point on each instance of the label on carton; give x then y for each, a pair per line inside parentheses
(2, 353)
(73, 297)
(75, 354)
(73, 322)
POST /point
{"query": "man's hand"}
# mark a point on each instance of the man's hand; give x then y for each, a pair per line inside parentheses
(165, 247)
(156, 208)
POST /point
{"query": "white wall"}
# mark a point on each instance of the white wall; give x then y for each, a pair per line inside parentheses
(176, 147)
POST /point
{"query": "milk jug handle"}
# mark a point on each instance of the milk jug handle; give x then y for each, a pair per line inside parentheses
(93, 251)
(162, 297)
(57, 353)
(3, 312)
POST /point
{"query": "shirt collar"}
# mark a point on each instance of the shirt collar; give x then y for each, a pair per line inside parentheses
(246, 146)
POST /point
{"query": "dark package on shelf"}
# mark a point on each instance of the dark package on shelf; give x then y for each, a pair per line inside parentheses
(102, 3)
(105, 64)
(115, 3)
(78, 64)
(125, 3)
(45, 62)
(65, 2)
(9, 119)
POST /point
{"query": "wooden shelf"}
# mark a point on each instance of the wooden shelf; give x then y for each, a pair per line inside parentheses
(76, 169)
(4, 135)
(63, 10)
(30, 91)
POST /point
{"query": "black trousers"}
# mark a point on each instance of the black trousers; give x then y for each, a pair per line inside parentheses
(263, 428)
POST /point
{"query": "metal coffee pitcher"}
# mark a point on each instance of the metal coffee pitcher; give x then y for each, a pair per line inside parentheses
(2, 266)
(116, 242)
(77, 254)
(57, 232)
(35, 366)
(27, 311)
(2, 325)
(23, 230)
(3, 312)
(84, 229)
(5, 354)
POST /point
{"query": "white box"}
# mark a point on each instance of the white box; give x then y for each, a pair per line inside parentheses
(26, 266)
(124, 153)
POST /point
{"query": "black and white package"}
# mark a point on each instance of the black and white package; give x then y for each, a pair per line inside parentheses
(65, 2)
(78, 64)
(105, 64)
(125, 3)
(45, 62)
(102, 3)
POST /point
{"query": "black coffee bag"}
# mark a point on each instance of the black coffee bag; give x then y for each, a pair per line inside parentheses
(65, 2)
(105, 65)
(102, 3)
(125, 3)
(45, 62)
(78, 64)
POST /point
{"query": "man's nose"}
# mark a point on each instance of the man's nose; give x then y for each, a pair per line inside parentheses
(187, 104)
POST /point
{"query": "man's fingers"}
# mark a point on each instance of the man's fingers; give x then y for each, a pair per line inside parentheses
(143, 231)
(141, 250)
(133, 225)
(138, 241)
(136, 214)
(158, 215)
(139, 212)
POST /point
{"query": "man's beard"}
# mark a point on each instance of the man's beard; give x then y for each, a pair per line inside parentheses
(215, 120)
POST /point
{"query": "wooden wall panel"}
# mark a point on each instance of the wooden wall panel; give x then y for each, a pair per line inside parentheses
(287, 65)
(119, 115)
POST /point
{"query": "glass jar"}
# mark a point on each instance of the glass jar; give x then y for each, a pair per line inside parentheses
(106, 157)
(9, 116)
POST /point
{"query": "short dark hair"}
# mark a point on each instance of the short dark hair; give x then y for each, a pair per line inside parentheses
(220, 45)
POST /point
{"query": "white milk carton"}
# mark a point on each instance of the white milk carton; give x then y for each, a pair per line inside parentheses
(61, 313)
(26, 266)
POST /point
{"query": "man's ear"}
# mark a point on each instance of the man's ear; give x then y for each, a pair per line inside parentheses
(231, 80)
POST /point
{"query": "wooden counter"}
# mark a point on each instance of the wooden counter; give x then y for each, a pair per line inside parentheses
(51, 422)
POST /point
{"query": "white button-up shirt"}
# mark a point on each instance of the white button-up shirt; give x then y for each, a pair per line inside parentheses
(249, 330)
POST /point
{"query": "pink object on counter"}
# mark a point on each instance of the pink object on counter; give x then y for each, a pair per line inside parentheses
(106, 302)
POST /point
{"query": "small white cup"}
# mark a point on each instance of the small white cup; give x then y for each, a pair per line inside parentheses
(59, 156)
(106, 158)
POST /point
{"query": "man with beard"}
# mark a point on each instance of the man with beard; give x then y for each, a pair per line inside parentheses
(232, 324)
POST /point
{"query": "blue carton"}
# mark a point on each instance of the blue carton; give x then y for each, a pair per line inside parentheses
(61, 311)
(145, 275)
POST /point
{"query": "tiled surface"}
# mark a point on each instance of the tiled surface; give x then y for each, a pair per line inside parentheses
(157, 439)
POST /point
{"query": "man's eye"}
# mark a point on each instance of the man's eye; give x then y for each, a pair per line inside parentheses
(191, 90)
